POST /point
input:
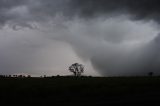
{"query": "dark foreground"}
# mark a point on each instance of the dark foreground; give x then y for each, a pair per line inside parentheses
(81, 91)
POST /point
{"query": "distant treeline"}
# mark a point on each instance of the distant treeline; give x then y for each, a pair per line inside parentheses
(17, 76)
(44, 76)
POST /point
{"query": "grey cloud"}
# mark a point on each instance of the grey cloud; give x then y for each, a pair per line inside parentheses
(103, 32)
(133, 50)
(139, 9)
(7, 5)
(40, 10)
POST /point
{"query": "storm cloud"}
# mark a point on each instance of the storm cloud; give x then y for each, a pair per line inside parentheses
(113, 37)
(37, 10)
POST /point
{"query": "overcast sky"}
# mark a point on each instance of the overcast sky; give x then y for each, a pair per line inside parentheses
(110, 37)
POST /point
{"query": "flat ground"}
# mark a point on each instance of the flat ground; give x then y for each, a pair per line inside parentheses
(81, 91)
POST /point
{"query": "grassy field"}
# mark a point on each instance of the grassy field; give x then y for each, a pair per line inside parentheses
(81, 91)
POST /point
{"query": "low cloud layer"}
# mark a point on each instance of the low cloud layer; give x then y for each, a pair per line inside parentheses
(113, 37)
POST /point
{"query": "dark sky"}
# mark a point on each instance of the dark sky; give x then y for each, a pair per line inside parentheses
(110, 37)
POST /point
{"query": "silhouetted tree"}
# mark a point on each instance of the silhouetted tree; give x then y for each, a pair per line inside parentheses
(150, 74)
(20, 76)
(29, 76)
(58, 75)
(77, 69)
